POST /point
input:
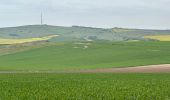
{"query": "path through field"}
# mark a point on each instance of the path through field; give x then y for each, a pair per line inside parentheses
(164, 68)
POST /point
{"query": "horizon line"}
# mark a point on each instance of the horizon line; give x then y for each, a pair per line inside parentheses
(83, 26)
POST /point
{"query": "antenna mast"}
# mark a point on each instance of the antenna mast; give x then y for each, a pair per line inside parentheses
(41, 18)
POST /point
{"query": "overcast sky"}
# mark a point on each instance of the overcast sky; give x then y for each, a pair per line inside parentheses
(150, 14)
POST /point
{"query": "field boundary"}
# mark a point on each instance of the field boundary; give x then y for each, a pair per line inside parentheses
(163, 68)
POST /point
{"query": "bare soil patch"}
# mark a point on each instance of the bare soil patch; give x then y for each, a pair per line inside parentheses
(164, 68)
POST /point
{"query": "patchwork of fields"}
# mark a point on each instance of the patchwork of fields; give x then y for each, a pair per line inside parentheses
(43, 62)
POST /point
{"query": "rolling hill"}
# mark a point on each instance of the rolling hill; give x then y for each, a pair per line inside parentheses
(78, 33)
(87, 55)
(39, 62)
(77, 47)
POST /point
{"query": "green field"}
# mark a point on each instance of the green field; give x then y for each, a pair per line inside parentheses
(87, 55)
(84, 86)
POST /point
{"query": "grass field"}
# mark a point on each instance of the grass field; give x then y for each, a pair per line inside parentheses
(159, 37)
(92, 55)
(84, 86)
(17, 41)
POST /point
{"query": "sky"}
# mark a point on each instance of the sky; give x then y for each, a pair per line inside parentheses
(143, 14)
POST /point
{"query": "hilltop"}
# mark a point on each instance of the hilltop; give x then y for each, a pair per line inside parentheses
(75, 33)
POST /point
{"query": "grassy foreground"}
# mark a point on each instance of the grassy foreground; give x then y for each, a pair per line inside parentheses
(84, 86)
(92, 55)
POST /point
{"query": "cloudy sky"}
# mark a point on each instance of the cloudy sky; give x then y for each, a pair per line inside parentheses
(150, 14)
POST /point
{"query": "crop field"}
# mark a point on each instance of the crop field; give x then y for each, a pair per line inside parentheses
(84, 86)
(159, 37)
(87, 55)
(17, 41)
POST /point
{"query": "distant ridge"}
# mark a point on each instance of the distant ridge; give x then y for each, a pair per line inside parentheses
(78, 33)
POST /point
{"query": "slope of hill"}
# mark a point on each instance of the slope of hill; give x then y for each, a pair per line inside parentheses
(87, 55)
(75, 33)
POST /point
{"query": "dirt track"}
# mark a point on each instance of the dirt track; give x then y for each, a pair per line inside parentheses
(164, 68)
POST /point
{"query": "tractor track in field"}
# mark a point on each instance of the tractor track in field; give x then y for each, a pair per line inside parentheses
(164, 68)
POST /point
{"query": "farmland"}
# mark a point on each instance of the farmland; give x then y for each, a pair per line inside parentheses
(159, 37)
(42, 62)
(87, 55)
(84, 86)
(19, 41)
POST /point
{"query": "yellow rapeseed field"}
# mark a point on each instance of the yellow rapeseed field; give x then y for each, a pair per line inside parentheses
(17, 41)
(159, 37)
